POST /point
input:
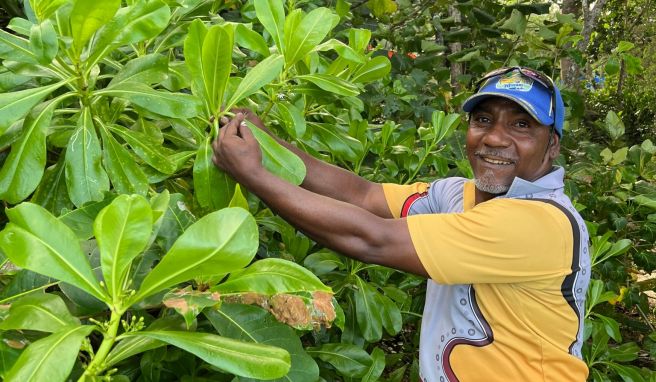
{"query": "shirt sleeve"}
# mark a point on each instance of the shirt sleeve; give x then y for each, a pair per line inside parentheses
(399, 197)
(499, 241)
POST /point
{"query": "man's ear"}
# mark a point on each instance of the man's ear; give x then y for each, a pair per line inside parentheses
(554, 146)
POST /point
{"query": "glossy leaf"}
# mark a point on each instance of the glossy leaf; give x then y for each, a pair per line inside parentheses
(127, 347)
(377, 366)
(52, 193)
(39, 311)
(238, 199)
(331, 84)
(253, 324)
(235, 357)
(50, 358)
(149, 69)
(15, 105)
(87, 17)
(219, 243)
(375, 69)
(367, 311)
(45, 8)
(86, 179)
(216, 65)
(122, 231)
(24, 167)
(174, 105)
(80, 220)
(212, 186)
(271, 14)
(138, 22)
(251, 40)
(263, 73)
(43, 41)
(149, 151)
(270, 276)
(277, 159)
(16, 48)
(350, 360)
(390, 314)
(125, 175)
(308, 33)
(36, 240)
(293, 118)
(193, 52)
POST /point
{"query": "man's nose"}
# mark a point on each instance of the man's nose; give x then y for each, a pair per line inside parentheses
(497, 135)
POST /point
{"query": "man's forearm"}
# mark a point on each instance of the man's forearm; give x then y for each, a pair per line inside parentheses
(338, 225)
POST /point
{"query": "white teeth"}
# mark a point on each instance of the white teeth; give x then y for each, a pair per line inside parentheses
(494, 161)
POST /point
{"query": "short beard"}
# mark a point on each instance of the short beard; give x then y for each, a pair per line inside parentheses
(487, 183)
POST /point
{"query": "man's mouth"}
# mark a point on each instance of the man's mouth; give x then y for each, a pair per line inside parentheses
(495, 159)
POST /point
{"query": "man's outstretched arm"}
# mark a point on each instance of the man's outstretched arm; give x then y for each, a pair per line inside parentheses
(332, 181)
(344, 227)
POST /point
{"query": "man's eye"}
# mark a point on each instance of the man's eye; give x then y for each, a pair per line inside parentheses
(522, 124)
(482, 119)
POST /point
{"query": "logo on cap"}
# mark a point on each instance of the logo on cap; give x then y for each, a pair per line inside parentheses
(515, 81)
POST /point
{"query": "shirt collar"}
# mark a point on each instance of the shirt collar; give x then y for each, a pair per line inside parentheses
(548, 183)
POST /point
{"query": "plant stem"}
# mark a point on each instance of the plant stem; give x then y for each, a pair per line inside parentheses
(109, 337)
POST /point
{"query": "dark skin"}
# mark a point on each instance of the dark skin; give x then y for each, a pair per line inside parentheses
(350, 214)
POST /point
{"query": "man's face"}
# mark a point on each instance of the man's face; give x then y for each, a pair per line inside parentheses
(504, 142)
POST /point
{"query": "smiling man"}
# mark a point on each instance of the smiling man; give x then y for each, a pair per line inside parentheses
(506, 253)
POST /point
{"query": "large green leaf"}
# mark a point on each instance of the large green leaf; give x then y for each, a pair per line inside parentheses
(174, 105)
(24, 167)
(263, 73)
(125, 175)
(146, 148)
(149, 69)
(16, 48)
(43, 41)
(375, 69)
(36, 240)
(216, 64)
(86, 179)
(235, 357)
(80, 220)
(87, 17)
(138, 22)
(253, 324)
(50, 358)
(271, 14)
(193, 52)
(15, 105)
(250, 39)
(212, 187)
(367, 309)
(45, 8)
(122, 231)
(271, 276)
(293, 119)
(219, 243)
(308, 33)
(39, 311)
(278, 159)
(331, 84)
(129, 346)
(52, 193)
(350, 360)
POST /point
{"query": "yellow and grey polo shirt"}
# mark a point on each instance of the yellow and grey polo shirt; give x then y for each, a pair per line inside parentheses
(508, 280)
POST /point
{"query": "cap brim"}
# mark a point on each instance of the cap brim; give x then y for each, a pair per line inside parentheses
(477, 98)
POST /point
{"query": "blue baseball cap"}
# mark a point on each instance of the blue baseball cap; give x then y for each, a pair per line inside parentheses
(533, 91)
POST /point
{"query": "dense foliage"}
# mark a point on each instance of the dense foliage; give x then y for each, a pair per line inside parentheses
(128, 255)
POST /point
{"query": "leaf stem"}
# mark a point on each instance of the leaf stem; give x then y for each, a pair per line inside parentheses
(97, 364)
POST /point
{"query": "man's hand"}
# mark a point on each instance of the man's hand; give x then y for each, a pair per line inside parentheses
(236, 151)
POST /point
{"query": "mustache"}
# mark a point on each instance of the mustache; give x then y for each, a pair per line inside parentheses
(495, 153)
